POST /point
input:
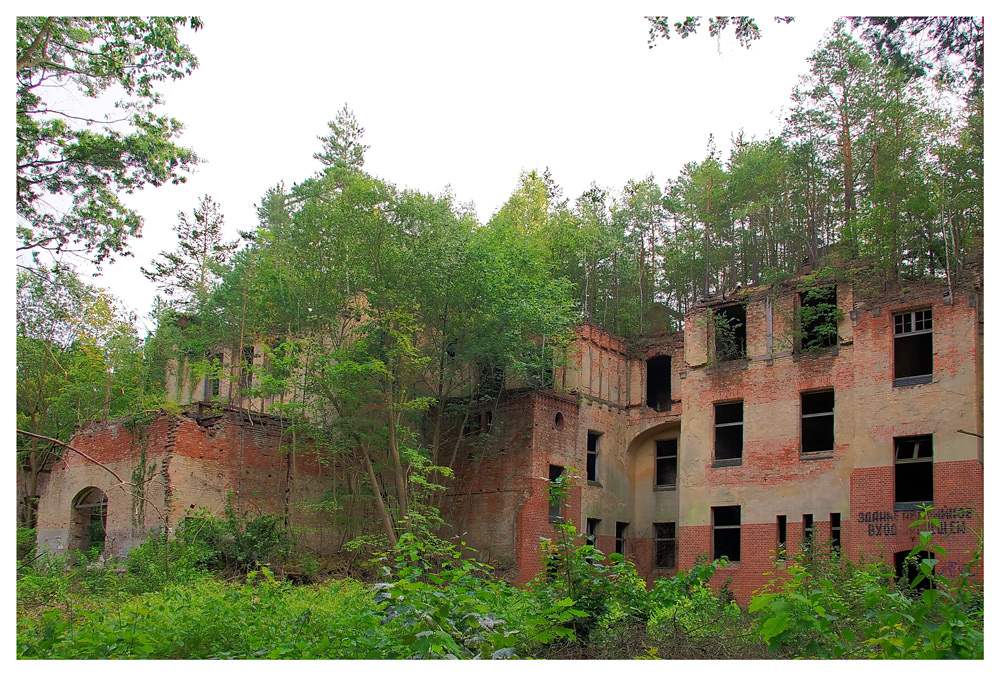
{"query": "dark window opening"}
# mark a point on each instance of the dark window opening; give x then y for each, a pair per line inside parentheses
(914, 469)
(592, 536)
(593, 442)
(818, 316)
(726, 532)
(835, 530)
(817, 422)
(486, 421)
(665, 545)
(666, 463)
(620, 528)
(246, 368)
(807, 531)
(491, 381)
(913, 347)
(730, 332)
(555, 500)
(729, 431)
(658, 383)
(782, 536)
(908, 568)
(560, 420)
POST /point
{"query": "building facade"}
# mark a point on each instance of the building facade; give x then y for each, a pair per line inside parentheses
(780, 419)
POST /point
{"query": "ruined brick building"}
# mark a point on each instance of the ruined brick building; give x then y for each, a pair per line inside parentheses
(751, 436)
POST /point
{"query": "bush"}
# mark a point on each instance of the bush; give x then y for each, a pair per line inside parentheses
(234, 544)
(26, 543)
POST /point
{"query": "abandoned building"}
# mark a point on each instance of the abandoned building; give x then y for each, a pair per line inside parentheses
(780, 419)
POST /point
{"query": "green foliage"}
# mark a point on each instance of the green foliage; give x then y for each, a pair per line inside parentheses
(26, 543)
(818, 318)
(90, 162)
(728, 344)
(842, 610)
(234, 543)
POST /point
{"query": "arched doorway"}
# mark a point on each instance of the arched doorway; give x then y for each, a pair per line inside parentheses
(89, 521)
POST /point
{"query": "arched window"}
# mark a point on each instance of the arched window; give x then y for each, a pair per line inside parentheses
(89, 521)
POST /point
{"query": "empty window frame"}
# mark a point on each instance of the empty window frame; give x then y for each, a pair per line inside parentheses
(808, 530)
(914, 469)
(212, 380)
(592, 536)
(246, 368)
(817, 422)
(620, 529)
(665, 545)
(593, 447)
(555, 500)
(782, 536)
(730, 325)
(658, 383)
(913, 347)
(818, 315)
(729, 431)
(666, 463)
(835, 530)
(726, 532)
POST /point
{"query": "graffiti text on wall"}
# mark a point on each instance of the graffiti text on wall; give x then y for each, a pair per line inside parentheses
(952, 520)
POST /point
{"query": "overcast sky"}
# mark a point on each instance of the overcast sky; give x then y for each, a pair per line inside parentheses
(456, 95)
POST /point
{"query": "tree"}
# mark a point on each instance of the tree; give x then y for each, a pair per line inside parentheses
(745, 27)
(71, 168)
(193, 270)
(343, 146)
(78, 358)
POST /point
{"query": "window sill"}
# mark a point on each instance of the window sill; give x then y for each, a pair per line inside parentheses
(727, 462)
(912, 506)
(815, 455)
(595, 484)
(665, 488)
(556, 519)
(912, 380)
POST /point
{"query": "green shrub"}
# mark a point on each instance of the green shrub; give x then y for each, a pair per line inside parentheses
(26, 543)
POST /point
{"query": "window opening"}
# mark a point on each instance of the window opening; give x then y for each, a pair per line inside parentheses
(246, 369)
(555, 500)
(658, 383)
(818, 316)
(486, 419)
(807, 531)
(620, 528)
(730, 332)
(592, 536)
(560, 420)
(817, 422)
(835, 530)
(782, 536)
(729, 431)
(593, 442)
(726, 532)
(913, 346)
(665, 545)
(666, 463)
(914, 469)
(908, 567)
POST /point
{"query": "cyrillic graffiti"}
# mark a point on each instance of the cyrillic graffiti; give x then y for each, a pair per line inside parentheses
(882, 523)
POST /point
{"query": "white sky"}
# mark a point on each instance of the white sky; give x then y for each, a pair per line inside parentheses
(453, 94)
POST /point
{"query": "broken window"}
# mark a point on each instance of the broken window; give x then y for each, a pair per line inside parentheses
(88, 529)
(835, 530)
(807, 531)
(620, 528)
(592, 536)
(726, 532)
(666, 463)
(555, 495)
(593, 441)
(730, 332)
(729, 431)
(913, 348)
(817, 422)
(246, 368)
(212, 380)
(818, 317)
(665, 545)
(658, 383)
(908, 567)
(914, 469)
(782, 536)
